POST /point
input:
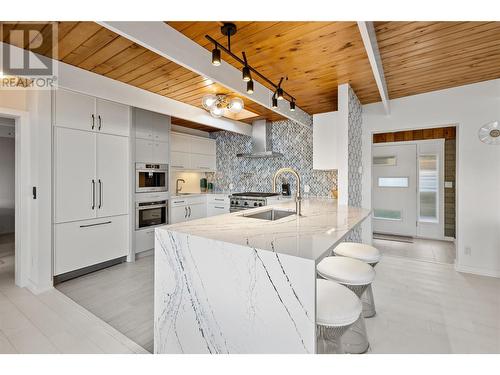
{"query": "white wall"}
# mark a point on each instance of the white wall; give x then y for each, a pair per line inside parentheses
(7, 184)
(478, 177)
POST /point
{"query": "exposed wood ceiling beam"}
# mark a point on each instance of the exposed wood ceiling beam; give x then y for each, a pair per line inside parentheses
(173, 45)
(369, 37)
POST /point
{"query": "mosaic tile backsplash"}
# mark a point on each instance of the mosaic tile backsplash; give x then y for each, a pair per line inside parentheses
(293, 140)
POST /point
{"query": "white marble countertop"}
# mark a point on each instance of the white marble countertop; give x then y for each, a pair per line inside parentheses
(321, 227)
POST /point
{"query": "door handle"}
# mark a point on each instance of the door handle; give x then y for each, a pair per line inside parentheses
(93, 121)
(100, 193)
(94, 225)
(189, 211)
(100, 121)
(185, 212)
(93, 194)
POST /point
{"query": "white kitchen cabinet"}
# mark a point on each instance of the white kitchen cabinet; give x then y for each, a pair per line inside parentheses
(217, 209)
(203, 162)
(201, 145)
(144, 150)
(112, 118)
(112, 175)
(144, 240)
(151, 125)
(189, 152)
(160, 152)
(75, 174)
(161, 127)
(327, 137)
(178, 214)
(196, 211)
(74, 110)
(180, 142)
(81, 244)
(84, 112)
(180, 160)
(91, 175)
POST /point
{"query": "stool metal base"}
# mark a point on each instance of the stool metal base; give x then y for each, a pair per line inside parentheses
(355, 339)
(329, 339)
(368, 303)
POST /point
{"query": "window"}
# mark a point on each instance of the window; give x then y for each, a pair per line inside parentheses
(386, 214)
(428, 187)
(384, 160)
(395, 182)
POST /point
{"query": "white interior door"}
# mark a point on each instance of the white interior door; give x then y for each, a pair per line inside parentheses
(394, 189)
(75, 178)
(112, 175)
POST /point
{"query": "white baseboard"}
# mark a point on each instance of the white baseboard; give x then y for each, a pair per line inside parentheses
(35, 289)
(477, 271)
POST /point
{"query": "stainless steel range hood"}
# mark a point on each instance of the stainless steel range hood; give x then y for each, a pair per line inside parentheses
(262, 143)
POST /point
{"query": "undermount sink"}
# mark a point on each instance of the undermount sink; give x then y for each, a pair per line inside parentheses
(271, 214)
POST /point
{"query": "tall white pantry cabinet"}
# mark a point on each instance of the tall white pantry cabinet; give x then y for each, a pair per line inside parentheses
(91, 181)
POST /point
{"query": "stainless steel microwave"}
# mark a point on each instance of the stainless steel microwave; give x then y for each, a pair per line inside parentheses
(151, 177)
(151, 214)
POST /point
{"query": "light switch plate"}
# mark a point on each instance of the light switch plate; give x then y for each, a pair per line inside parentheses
(448, 184)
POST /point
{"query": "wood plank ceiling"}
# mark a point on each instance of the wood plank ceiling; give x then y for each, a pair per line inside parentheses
(316, 57)
(420, 57)
(89, 46)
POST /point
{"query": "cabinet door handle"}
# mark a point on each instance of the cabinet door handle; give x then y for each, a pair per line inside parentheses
(100, 121)
(100, 193)
(185, 212)
(179, 202)
(93, 194)
(189, 211)
(177, 166)
(94, 225)
(219, 199)
(93, 121)
(219, 207)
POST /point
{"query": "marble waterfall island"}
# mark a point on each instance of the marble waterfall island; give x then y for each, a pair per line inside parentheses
(234, 284)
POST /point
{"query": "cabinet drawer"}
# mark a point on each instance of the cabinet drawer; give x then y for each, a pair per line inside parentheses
(81, 244)
(144, 240)
(217, 209)
(219, 199)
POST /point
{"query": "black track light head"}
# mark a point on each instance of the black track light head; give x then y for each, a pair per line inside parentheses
(246, 74)
(279, 93)
(292, 106)
(216, 56)
(250, 87)
(275, 102)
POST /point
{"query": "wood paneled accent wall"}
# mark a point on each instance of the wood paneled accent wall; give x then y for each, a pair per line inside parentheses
(449, 133)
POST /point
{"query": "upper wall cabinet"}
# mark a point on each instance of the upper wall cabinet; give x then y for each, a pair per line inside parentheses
(151, 125)
(84, 112)
(192, 153)
(326, 136)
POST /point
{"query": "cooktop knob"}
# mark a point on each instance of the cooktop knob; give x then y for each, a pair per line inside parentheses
(260, 204)
(232, 202)
(237, 202)
(255, 204)
(246, 203)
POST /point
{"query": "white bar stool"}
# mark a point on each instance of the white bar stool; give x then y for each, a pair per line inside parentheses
(356, 276)
(367, 254)
(337, 308)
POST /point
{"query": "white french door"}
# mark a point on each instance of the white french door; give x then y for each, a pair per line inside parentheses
(408, 188)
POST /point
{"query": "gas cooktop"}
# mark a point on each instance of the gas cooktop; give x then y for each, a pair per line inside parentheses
(255, 194)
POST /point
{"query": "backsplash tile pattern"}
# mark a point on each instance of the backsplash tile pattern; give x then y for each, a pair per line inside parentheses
(293, 140)
(355, 157)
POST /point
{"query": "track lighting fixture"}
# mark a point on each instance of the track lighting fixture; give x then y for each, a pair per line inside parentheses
(250, 87)
(216, 56)
(229, 29)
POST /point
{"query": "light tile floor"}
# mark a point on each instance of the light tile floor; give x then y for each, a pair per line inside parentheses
(51, 322)
(421, 249)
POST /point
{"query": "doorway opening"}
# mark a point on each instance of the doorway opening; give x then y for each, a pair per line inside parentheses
(7, 196)
(414, 193)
